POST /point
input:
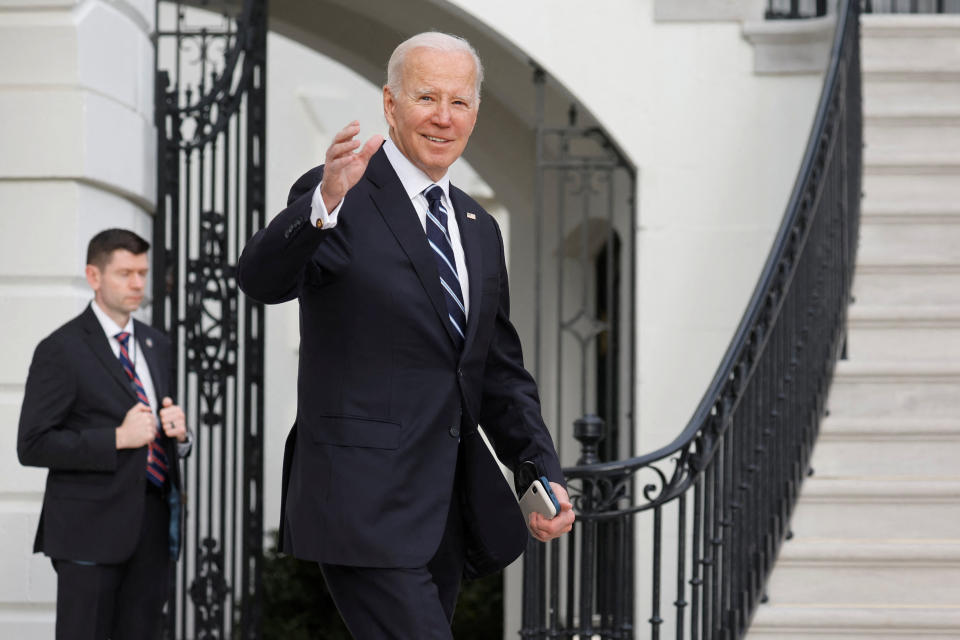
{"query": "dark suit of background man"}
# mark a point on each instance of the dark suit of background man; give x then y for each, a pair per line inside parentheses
(386, 482)
(90, 415)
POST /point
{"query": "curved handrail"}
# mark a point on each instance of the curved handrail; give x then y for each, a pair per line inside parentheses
(730, 480)
(761, 291)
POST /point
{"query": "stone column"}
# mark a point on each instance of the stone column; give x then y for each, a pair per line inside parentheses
(76, 156)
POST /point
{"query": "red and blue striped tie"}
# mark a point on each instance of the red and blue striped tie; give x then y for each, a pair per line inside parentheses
(156, 456)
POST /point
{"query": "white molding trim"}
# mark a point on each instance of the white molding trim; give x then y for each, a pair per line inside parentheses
(791, 46)
(707, 10)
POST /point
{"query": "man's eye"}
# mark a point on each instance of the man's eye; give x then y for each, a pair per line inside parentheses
(427, 98)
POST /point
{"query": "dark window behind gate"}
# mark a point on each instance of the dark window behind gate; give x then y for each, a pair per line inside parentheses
(210, 117)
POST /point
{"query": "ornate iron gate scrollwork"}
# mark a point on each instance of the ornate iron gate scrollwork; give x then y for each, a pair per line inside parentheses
(584, 355)
(210, 118)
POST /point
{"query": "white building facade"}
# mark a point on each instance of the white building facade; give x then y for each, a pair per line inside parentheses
(709, 105)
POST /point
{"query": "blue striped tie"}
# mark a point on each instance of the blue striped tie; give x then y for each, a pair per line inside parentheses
(439, 238)
(156, 456)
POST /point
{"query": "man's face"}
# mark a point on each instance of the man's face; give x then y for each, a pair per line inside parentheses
(118, 287)
(433, 117)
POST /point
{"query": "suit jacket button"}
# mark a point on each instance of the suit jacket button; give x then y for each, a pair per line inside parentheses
(460, 372)
(455, 431)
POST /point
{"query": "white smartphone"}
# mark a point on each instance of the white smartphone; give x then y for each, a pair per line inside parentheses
(539, 497)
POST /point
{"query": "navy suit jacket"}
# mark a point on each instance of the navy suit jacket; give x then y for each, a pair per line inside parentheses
(384, 396)
(76, 395)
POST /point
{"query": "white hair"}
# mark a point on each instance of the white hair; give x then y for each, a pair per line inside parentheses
(429, 40)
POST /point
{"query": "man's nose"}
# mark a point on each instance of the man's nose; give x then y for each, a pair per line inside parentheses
(441, 114)
(138, 281)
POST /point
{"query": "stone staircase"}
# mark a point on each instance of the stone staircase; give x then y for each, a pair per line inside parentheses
(876, 546)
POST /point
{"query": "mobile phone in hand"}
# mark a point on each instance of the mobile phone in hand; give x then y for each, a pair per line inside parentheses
(539, 497)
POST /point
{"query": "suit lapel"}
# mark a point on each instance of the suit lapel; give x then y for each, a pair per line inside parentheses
(470, 240)
(398, 212)
(97, 341)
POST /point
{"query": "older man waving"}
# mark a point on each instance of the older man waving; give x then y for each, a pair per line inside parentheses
(406, 347)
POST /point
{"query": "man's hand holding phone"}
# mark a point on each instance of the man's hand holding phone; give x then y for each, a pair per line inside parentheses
(542, 526)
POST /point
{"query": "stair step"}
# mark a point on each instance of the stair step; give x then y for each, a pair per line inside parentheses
(881, 284)
(903, 332)
(867, 572)
(826, 622)
(902, 213)
(871, 507)
(924, 187)
(898, 389)
(910, 43)
(890, 241)
(913, 140)
(907, 446)
(910, 95)
(909, 25)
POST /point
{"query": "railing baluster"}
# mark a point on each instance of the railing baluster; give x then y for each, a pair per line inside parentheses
(587, 557)
(696, 566)
(571, 577)
(655, 619)
(681, 602)
(553, 612)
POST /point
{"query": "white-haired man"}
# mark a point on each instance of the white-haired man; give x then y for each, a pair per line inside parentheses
(406, 346)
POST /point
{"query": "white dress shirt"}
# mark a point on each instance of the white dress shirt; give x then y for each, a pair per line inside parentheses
(414, 182)
(139, 364)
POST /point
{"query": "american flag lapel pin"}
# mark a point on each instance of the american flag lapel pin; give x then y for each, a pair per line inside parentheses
(471, 216)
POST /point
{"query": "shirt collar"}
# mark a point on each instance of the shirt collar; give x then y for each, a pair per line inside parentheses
(413, 179)
(110, 327)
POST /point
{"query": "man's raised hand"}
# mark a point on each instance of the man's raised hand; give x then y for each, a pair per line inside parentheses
(344, 168)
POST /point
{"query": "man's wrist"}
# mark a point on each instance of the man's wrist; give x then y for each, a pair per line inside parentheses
(322, 214)
(329, 203)
(185, 446)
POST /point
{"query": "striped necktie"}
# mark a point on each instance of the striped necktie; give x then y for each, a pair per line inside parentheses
(156, 456)
(439, 238)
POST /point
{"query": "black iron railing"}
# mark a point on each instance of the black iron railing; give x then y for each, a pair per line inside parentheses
(700, 522)
(911, 6)
(795, 9)
(800, 9)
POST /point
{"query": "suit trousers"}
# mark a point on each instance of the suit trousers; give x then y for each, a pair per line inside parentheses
(403, 604)
(118, 601)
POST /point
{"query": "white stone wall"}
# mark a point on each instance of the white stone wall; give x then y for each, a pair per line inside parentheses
(76, 156)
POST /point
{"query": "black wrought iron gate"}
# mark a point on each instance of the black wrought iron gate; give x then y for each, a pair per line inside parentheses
(210, 116)
(584, 350)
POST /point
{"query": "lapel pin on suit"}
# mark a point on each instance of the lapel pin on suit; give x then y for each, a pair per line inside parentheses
(149, 342)
(471, 216)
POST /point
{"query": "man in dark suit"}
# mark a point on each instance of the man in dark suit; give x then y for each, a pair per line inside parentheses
(406, 346)
(97, 413)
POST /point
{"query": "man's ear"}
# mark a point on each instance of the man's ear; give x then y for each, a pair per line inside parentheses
(389, 104)
(93, 276)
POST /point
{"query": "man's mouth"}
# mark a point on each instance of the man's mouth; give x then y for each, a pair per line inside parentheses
(435, 139)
